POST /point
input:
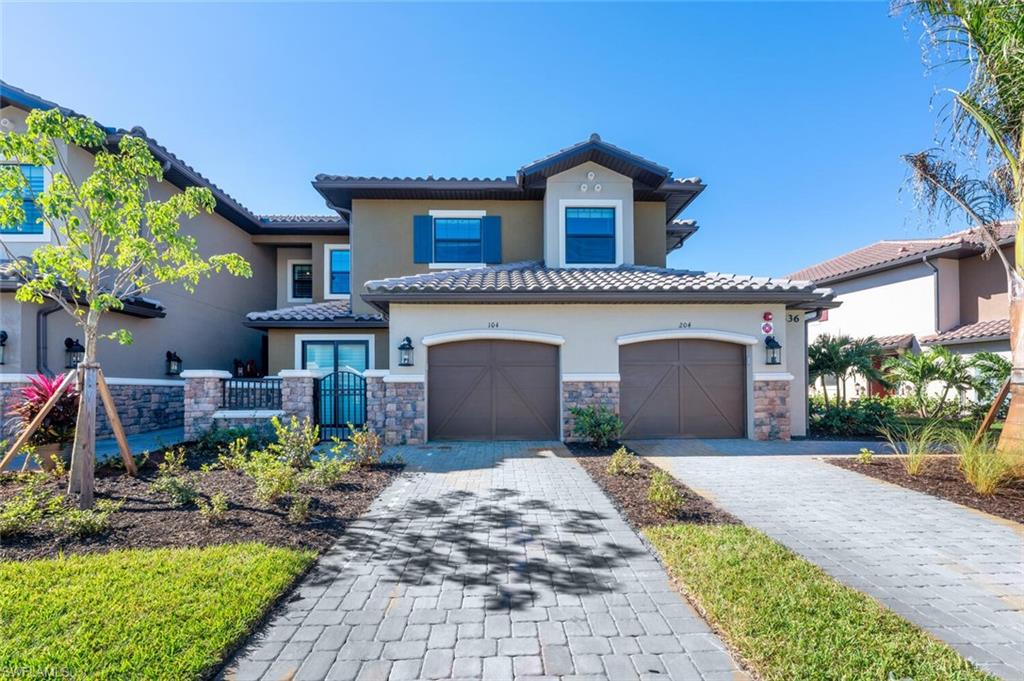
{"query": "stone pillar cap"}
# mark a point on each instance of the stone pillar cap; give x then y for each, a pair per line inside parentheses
(298, 373)
(205, 373)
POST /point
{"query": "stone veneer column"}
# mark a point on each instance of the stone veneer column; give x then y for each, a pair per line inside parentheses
(376, 399)
(297, 387)
(405, 410)
(596, 393)
(203, 395)
(772, 408)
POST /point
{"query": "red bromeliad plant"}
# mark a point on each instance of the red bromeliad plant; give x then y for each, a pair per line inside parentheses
(59, 425)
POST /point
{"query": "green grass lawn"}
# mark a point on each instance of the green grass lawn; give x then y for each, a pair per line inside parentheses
(789, 619)
(140, 614)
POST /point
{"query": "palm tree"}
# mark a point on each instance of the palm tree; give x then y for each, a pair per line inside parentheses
(987, 122)
(992, 371)
(918, 370)
(956, 373)
(859, 357)
(841, 358)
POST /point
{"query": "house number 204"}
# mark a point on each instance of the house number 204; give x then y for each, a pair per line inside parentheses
(685, 325)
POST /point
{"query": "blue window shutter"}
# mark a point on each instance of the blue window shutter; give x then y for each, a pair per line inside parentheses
(490, 238)
(422, 238)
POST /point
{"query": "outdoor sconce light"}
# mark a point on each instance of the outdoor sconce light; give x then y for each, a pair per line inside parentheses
(3, 345)
(173, 363)
(405, 353)
(772, 348)
(74, 353)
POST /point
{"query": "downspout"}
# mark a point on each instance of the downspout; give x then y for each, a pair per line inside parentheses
(935, 278)
(41, 345)
(808, 318)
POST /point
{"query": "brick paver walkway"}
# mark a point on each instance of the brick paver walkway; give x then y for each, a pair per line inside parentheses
(497, 561)
(954, 572)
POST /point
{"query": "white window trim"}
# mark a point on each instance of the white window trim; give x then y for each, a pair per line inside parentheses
(291, 280)
(301, 337)
(453, 214)
(47, 235)
(327, 271)
(590, 203)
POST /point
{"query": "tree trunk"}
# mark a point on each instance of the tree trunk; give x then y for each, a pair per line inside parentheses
(1011, 441)
(83, 454)
(824, 390)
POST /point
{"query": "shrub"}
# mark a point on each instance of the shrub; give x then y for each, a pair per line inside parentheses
(662, 493)
(74, 522)
(983, 466)
(235, 455)
(598, 425)
(298, 510)
(274, 478)
(296, 441)
(24, 510)
(176, 488)
(865, 416)
(918, 441)
(623, 462)
(367, 445)
(865, 456)
(328, 471)
(214, 510)
(216, 439)
(59, 424)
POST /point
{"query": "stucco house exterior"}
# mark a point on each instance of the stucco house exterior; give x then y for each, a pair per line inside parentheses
(473, 308)
(916, 293)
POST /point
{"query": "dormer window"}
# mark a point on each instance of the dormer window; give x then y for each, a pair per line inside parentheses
(591, 232)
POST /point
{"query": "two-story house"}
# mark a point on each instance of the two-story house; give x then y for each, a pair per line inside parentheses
(914, 293)
(472, 308)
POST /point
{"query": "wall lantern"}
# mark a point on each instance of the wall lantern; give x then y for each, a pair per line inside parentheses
(772, 351)
(74, 353)
(405, 353)
(3, 345)
(173, 363)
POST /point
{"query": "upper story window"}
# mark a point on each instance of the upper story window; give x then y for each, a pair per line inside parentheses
(337, 271)
(590, 236)
(301, 284)
(31, 225)
(457, 240)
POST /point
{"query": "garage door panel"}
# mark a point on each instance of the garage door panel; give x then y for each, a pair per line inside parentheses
(649, 401)
(709, 403)
(517, 398)
(654, 352)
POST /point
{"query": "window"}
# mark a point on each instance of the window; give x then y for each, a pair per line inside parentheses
(35, 177)
(301, 280)
(457, 240)
(332, 355)
(337, 271)
(589, 236)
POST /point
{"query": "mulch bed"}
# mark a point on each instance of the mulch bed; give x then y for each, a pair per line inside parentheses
(629, 492)
(148, 520)
(942, 478)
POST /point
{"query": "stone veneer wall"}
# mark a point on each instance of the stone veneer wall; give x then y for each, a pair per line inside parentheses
(142, 408)
(586, 394)
(771, 410)
(405, 413)
(376, 399)
(203, 396)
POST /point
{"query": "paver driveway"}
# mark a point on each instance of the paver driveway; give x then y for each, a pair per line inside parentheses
(498, 560)
(955, 572)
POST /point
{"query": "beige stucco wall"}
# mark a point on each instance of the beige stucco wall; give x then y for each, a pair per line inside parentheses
(382, 236)
(649, 231)
(794, 349)
(204, 327)
(566, 186)
(888, 303)
(948, 281)
(284, 255)
(983, 288)
(281, 353)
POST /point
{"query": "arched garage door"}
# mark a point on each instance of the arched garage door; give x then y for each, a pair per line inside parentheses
(492, 390)
(683, 388)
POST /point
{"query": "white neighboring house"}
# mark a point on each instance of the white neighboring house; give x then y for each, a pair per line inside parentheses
(915, 293)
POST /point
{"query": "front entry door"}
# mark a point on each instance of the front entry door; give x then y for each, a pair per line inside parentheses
(341, 390)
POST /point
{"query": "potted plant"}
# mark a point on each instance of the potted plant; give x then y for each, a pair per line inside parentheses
(57, 431)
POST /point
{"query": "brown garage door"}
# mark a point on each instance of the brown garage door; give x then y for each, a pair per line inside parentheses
(683, 388)
(492, 390)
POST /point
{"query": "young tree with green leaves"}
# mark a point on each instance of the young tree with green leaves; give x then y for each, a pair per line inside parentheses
(842, 357)
(986, 124)
(111, 241)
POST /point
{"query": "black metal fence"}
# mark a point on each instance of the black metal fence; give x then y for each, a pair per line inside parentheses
(251, 393)
(339, 400)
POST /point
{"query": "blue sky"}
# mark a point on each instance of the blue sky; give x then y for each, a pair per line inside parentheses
(793, 114)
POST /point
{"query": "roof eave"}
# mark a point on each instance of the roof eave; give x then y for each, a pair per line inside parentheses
(965, 341)
(790, 298)
(319, 324)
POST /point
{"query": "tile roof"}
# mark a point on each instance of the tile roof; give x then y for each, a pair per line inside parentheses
(895, 252)
(996, 329)
(311, 219)
(627, 283)
(327, 313)
(897, 342)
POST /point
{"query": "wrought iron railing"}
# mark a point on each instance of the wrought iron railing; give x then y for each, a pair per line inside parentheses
(339, 400)
(251, 393)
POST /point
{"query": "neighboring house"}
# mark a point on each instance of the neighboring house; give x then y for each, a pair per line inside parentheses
(914, 293)
(487, 308)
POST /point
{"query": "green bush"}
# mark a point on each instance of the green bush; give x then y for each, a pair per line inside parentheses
(296, 441)
(984, 467)
(235, 455)
(865, 456)
(298, 510)
(863, 417)
(663, 494)
(176, 488)
(623, 462)
(328, 471)
(367, 445)
(274, 478)
(214, 510)
(74, 522)
(599, 426)
(216, 440)
(26, 509)
(913, 444)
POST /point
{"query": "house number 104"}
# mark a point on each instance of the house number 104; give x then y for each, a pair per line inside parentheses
(493, 325)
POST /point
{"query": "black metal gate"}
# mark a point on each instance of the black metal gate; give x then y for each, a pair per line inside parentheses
(340, 400)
